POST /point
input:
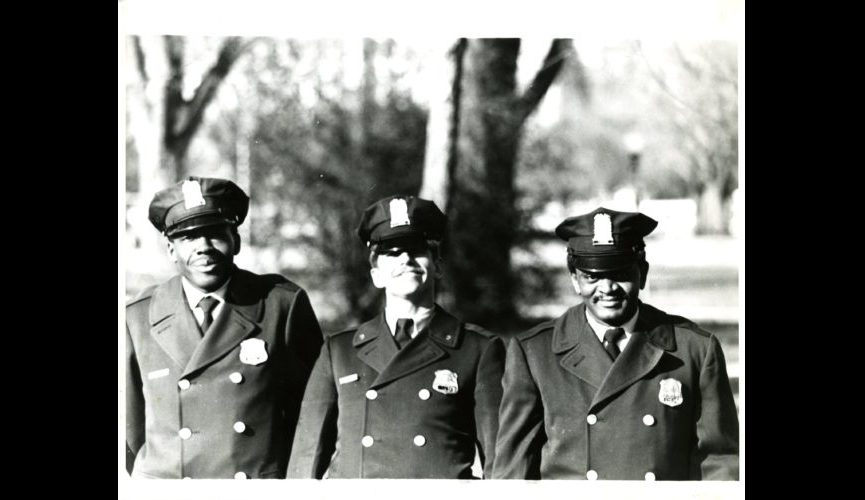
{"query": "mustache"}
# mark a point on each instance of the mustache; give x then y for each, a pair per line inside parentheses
(210, 256)
(609, 296)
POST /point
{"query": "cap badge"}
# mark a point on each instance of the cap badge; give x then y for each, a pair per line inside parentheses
(192, 194)
(445, 382)
(398, 213)
(603, 231)
(253, 352)
(671, 392)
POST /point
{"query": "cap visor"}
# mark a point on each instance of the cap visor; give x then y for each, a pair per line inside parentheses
(196, 223)
(604, 263)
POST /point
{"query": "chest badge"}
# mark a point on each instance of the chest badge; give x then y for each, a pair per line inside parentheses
(253, 352)
(671, 392)
(445, 382)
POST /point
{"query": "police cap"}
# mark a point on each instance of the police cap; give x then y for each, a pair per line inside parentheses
(604, 239)
(401, 217)
(198, 202)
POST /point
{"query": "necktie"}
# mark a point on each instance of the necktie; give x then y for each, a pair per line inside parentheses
(402, 335)
(612, 336)
(207, 304)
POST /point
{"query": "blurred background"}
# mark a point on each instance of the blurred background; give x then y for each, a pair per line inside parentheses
(508, 136)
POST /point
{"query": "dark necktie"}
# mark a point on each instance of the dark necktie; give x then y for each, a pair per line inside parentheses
(207, 304)
(402, 335)
(612, 336)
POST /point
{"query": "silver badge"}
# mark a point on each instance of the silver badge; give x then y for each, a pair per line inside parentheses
(671, 392)
(192, 194)
(348, 379)
(603, 230)
(253, 352)
(398, 213)
(445, 382)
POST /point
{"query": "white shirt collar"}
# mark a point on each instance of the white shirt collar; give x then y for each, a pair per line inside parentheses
(421, 319)
(194, 295)
(600, 328)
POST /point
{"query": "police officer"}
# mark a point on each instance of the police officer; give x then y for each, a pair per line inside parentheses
(413, 392)
(217, 357)
(615, 388)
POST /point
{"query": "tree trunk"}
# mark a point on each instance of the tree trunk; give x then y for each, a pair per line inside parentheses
(711, 217)
(442, 128)
(481, 194)
(481, 206)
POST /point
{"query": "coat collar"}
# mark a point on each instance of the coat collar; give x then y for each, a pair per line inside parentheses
(375, 346)
(175, 329)
(583, 356)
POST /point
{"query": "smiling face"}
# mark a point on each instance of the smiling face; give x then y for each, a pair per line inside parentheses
(205, 256)
(611, 296)
(406, 270)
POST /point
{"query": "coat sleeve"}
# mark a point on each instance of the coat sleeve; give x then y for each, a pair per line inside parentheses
(134, 405)
(488, 395)
(717, 422)
(315, 439)
(304, 339)
(521, 420)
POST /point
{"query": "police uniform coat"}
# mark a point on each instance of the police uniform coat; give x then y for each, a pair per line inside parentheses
(186, 394)
(569, 412)
(371, 411)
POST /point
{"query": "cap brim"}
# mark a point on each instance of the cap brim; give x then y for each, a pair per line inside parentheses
(598, 263)
(403, 239)
(198, 222)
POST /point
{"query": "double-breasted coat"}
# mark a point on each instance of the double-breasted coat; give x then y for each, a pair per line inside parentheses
(372, 411)
(663, 410)
(225, 405)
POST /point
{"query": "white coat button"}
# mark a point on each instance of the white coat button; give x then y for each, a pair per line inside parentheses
(419, 440)
(240, 475)
(371, 394)
(183, 384)
(236, 377)
(366, 441)
(591, 475)
(423, 394)
(592, 419)
(650, 476)
(648, 420)
(185, 433)
(239, 427)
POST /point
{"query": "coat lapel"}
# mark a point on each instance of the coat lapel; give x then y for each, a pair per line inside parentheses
(421, 351)
(578, 348)
(644, 351)
(372, 345)
(172, 324)
(237, 321)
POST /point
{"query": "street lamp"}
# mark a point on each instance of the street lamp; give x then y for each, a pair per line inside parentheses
(634, 144)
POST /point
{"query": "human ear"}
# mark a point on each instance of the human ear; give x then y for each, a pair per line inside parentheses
(170, 250)
(644, 274)
(378, 278)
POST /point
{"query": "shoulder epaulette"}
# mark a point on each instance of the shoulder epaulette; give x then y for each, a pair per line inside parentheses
(535, 330)
(142, 295)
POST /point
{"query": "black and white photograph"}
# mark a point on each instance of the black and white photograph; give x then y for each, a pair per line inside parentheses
(379, 249)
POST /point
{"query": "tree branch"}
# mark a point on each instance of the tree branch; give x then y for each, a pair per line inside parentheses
(139, 58)
(560, 49)
(190, 120)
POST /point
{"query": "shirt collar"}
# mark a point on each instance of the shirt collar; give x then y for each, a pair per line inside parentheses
(421, 319)
(600, 328)
(194, 295)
